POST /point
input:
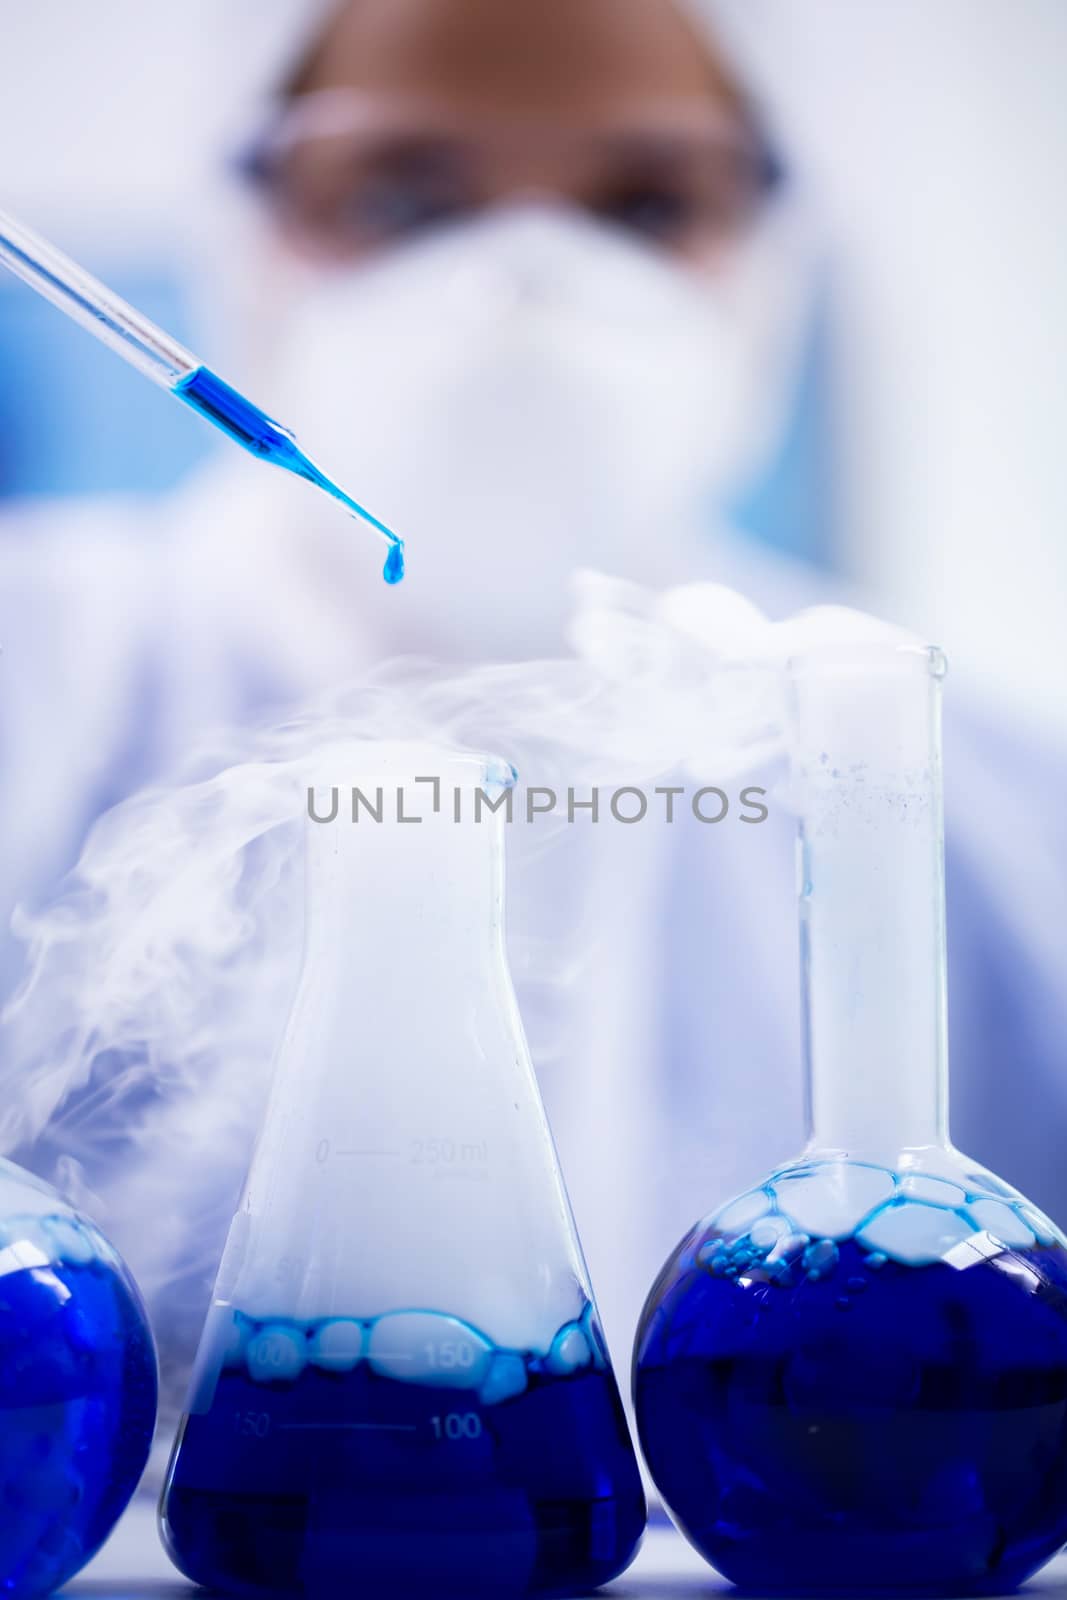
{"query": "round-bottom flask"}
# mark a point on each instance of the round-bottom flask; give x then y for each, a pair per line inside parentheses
(854, 1376)
(402, 1385)
(78, 1387)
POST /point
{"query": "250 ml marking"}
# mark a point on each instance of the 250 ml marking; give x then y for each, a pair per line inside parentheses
(448, 1152)
(421, 1152)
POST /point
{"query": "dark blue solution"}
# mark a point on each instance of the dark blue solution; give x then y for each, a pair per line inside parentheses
(357, 1483)
(256, 432)
(77, 1411)
(881, 1426)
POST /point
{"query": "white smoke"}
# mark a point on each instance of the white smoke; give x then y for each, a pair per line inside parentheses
(158, 981)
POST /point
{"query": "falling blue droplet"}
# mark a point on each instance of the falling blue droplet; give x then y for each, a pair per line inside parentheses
(393, 571)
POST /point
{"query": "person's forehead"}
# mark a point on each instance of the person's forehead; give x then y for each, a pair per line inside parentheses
(519, 56)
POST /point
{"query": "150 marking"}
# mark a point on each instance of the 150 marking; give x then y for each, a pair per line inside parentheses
(252, 1424)
(449, 1354)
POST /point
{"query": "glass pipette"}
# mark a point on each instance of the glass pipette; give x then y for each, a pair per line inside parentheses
(168, 363)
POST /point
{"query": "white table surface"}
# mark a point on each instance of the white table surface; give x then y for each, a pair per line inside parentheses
(132, 1566)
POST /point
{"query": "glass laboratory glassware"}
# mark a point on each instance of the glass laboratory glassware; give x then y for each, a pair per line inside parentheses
(159, 357)
(402, 1381)
(78, 1387)
(854, 1376)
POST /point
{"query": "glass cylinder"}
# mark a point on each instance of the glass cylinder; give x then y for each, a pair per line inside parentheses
(854, 1375)
(402, 1380)
(78, 1387)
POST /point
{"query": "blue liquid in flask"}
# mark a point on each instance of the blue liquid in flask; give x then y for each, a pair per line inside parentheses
(853, 1378)
(251, 428)
(340, 1435)
(78, 1390)
(813, 1408)
(409, 1454)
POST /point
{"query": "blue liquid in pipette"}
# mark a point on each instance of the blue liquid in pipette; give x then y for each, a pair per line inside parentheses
(258, 433)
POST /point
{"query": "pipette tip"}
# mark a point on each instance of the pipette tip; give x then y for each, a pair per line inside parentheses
(251, 428)
(393, 571)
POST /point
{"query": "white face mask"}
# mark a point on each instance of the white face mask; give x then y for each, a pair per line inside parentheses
(522, 396)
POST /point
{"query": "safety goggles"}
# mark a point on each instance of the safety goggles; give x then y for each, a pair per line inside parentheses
(347, 172)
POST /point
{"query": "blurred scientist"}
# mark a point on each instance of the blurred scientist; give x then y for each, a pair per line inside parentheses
(526, 277)
(532, 291)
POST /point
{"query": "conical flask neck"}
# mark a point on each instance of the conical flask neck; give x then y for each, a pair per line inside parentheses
(398, 883)
(867, 775)
(404, 1111)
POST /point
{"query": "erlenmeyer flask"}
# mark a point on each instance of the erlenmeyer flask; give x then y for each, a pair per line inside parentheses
(402, 1378)
(854, 1376)
(77, 1387)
